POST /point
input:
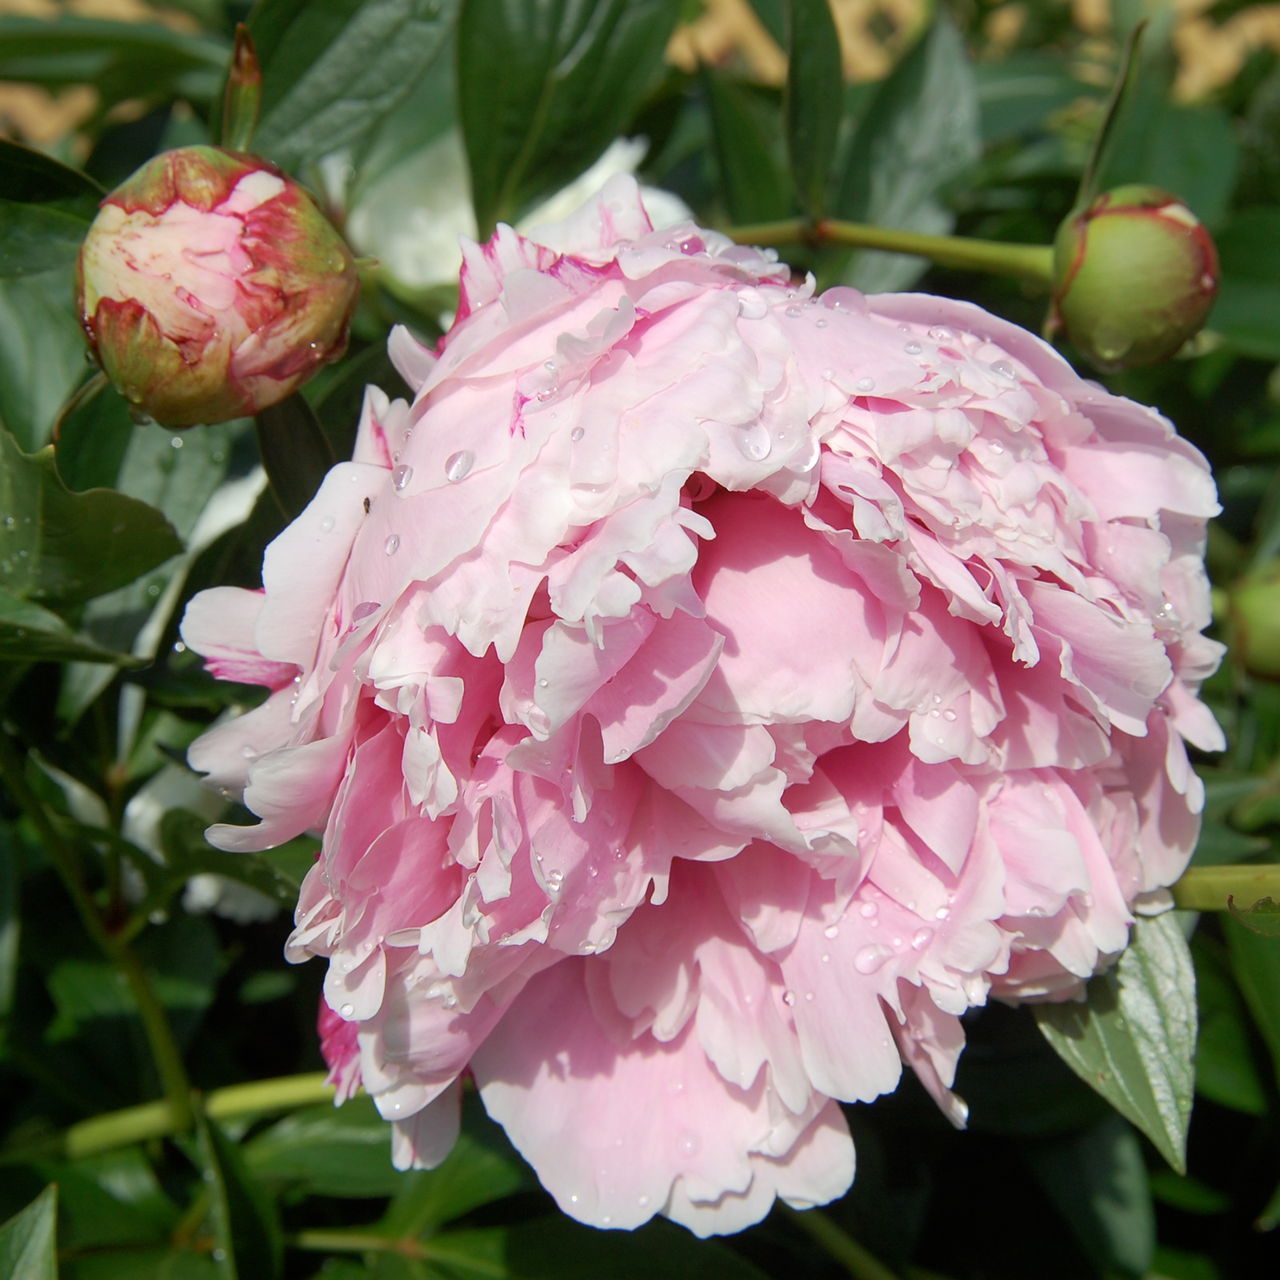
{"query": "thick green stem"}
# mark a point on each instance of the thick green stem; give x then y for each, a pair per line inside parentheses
(164, 1049)
(856, 1260)
(365, 1241)
(1208, 888)
(1026, 261)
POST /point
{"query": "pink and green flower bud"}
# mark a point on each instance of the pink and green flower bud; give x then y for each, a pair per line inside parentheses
(1255, 622)
(211, 286)
(1135, 276)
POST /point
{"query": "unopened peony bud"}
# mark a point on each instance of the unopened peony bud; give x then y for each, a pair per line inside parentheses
(211, 286)
(1255, 618)
(1135, 275)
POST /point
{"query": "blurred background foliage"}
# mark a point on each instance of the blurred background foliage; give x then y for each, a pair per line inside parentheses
(409, 119)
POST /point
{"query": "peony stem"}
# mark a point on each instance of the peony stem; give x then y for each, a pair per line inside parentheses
(1208, 888)
(155, 1022)
(837, 1242)
(1027, 261)
(365, 1241)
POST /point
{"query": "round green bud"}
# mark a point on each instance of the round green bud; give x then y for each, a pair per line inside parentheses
(1255, 622)
(1135, 276)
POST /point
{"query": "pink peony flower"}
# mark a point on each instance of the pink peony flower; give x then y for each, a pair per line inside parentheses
(708, 692)
(211, 286)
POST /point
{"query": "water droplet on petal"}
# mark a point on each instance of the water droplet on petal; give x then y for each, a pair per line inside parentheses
(365, 610)
(831, 931)
(868, 910)
(948, 714)
(458, 465)
(920, 939)
(400, 477)
(392, 544)
(942, 913)
(913, 348)
(643, 1202)
(576, 434)
(822, 324)
(1003, 368)
(872, 958)
(864, 385)
(788, 998)
(326, 525)
(997, 447)
(348, 1011)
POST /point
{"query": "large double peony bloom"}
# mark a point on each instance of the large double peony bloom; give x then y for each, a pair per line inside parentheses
(708, 692)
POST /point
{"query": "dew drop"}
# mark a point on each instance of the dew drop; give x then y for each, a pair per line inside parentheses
(939, 334)
(689, 1143)
(543, 683)
(831, 931)
(864, 385)
(808, 995)
(872, 958)
(458, 465)
(755, 442)
(326, 525)
(913, 348)
(1003, 368)
(400, 477)
(920, 939)
(392, 544)
(576, 434)
(348, 1011)
(948, 714)
(822, 324)
(942, 913)
(249, 753)
(826, 958)
(997, 447)
(365, 610)
(828, 374)
(643, 1202)
(788, 998)
(869, 910)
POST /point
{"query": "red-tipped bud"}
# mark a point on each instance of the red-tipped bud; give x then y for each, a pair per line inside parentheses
(210, 286)
(1135, 276)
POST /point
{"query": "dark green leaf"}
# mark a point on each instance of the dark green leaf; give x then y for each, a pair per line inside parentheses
(814, 99)
(45, 210)
(295, 451)
(481, 1168)
(560, 1249)
(41, 353)
(141, 1264)
(69, 547)
(1225, 1073)
(10, 919)
(1269, 1218)
(1256, 965)
(29, 633)
(92, 436)
(244, 1220)
(1017, 94)
(91, 1217)
(119, 58)
(332, 70)
(1134, 1038)
(1247, 312)
(188, 853)
(27, 1241)
(1098, 1182)
(755, 186)
(544, 87)
(1187, 1193)
(920, 132)
(331, 1151)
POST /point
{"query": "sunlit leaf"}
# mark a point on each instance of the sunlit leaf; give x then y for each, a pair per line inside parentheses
(27, 1240)
(544, 87)
(1134, 1038)
(332, 70)
(814, 99)
(1263, 917)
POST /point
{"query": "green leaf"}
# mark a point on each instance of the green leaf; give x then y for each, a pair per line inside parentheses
(544, 87)
(1255, 961)
(756, 187)
(1098, 1182)
(920, 132)
(67, 547)
(1134, 1038)
(29, 633)
(244, 1220)
(1269, 1218)
(116, 57)
(330, 1151)
(295, 451)
(141, 1264)
(90, 1216)
(10, 918)
(481, 1168)
(1225, 1072)
(1247, 312)
(332, 69)
(560, 1249)
(814, 99)
(27, 1240)
(92, 436)
(1187, 1193)
(45, 210)
(1017, 94)
(188, 853)
(41, 353)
